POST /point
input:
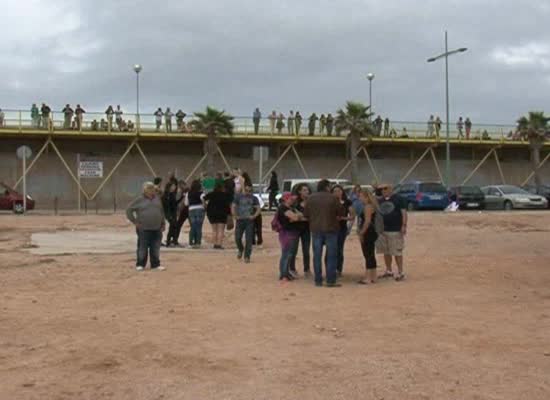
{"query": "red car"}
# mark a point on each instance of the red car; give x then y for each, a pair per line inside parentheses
(12, 200)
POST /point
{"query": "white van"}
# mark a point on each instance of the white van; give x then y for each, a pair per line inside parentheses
(290, 184)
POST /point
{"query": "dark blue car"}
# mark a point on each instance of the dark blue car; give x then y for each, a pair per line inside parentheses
(424, 195)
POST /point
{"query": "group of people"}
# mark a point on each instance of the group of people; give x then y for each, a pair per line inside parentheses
(226, 200)
(434, 127)
(315, 125)
(324, 219)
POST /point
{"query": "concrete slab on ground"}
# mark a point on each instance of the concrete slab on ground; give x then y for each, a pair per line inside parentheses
(91, 242)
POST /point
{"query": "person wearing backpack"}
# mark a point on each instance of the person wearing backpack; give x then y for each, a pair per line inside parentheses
(289, 233)
(371, 224)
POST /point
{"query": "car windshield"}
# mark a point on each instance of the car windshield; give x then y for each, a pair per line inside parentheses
(432, 188)
(470, 190)
(512, 190)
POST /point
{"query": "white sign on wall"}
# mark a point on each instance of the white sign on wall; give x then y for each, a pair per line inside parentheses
(90, 169)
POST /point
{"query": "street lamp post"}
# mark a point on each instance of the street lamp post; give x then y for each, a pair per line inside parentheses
(370, 77)
(447, 139)
(137, 70)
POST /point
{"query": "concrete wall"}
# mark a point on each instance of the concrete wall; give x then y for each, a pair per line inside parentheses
(49, 179)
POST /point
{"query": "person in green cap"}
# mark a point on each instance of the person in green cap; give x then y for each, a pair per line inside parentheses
(311, 125)
(35, 116)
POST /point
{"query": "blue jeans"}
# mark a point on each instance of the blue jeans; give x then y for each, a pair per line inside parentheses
(148, 245)
(305, 238)
(342, 235)
(196, 219)
(289, 247)
(246, 227)
(330, 240)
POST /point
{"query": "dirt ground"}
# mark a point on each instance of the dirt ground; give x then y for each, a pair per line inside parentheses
(472, 320)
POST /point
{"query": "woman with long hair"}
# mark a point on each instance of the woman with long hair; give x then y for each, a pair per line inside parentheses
(170, 205)
(195, 201)
(368, 234)
(238, 180)
(302, 192)
(288, 218)
(217, 211)
(347, 216)
(273, 190)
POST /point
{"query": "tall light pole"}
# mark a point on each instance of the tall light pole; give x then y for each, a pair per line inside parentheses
(448, 144)
(370, 77)
(137, 70)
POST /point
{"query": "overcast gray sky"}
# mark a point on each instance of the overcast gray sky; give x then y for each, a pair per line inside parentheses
(306, 55)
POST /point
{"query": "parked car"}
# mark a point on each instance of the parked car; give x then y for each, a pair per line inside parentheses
(508, 197)
(290, 184)
(349, 188)
(424, 195)
(262, 195)
(468, 197)
(10, 199)
(543, 190)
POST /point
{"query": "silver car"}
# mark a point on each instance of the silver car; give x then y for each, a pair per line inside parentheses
(508, 197)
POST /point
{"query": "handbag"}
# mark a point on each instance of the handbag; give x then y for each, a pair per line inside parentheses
(230, 223)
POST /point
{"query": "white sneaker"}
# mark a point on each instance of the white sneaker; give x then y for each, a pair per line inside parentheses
(159, 268)
(139, 268)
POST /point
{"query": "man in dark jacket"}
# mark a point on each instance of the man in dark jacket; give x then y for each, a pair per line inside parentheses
(323, 211)
(67, 116)
(273, 190)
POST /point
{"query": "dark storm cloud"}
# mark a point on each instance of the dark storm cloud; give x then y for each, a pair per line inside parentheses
(307, 55)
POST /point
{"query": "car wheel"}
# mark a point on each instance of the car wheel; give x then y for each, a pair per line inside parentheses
(411, 206)
(18, 208)
(508, 206)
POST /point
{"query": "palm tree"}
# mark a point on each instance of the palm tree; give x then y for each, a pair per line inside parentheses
(214, 123)
(534, 128)
(355, 120)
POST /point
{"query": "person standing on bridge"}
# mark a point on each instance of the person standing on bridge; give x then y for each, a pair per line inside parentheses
(109, 112)
(460, 127)
(468, 126)
(322, 124)
(118, 117)
(180, 115)
(35, 116)
(272, 119)
(67, 116)
(256, 118)
(168, 119)
(387, 127)
(79, 111)
(158, 119)
(298, 122)
(146, 213)
(290, 123)
(280, 123)
(311, 124)
(45, 110)
(437, 127)
(2, 116)
(431, 126)
(330, 124)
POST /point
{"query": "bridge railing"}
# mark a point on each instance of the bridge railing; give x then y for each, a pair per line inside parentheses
(21, 120)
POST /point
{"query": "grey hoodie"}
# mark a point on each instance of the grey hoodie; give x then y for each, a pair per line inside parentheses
(147, 213)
